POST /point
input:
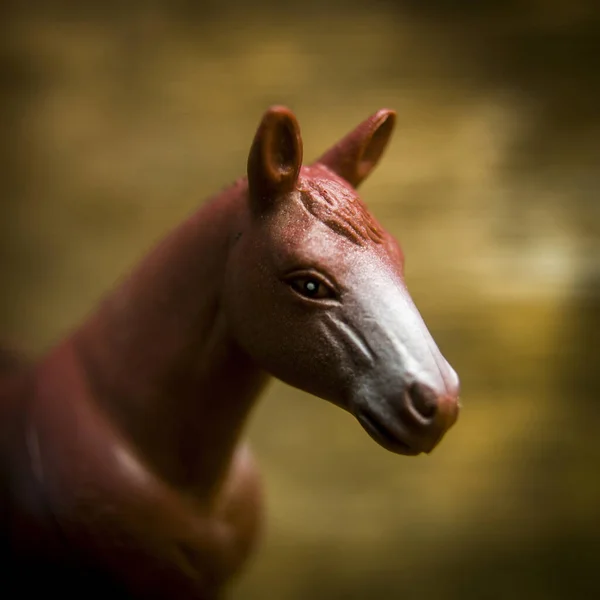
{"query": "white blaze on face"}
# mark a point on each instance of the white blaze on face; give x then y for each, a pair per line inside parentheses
(382, 310)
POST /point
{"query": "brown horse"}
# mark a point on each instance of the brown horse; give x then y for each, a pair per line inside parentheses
(121, 453)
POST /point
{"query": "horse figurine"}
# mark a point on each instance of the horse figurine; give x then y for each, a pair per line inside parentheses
(122, 460)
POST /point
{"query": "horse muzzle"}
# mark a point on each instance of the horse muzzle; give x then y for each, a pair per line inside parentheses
(416, 423)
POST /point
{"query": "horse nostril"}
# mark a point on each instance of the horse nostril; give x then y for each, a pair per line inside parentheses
(423, 399)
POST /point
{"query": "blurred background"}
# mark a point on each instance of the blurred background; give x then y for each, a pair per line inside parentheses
(117, 119)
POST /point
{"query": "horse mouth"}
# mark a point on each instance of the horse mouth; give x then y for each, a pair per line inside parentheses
(384, 436)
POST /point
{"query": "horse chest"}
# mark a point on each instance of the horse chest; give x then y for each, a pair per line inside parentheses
(80, 503)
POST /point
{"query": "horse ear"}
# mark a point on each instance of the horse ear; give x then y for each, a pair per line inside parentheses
(275, 156)
(357, 154)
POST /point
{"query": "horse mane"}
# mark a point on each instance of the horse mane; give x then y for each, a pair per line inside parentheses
(340, 210)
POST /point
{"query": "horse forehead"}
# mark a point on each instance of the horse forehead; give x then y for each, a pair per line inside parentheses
(337, 205)
(373, 275)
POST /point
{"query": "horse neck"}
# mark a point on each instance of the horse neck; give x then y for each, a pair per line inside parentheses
(159, 358)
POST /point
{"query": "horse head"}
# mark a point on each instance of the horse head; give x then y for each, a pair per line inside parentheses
(315, 292)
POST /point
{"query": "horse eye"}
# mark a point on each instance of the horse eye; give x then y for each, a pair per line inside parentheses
(310, 287)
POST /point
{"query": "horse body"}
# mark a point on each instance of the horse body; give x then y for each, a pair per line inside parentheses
(122, 449)
(128, 431)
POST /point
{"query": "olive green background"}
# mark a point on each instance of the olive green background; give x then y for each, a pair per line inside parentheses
(118, 119)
